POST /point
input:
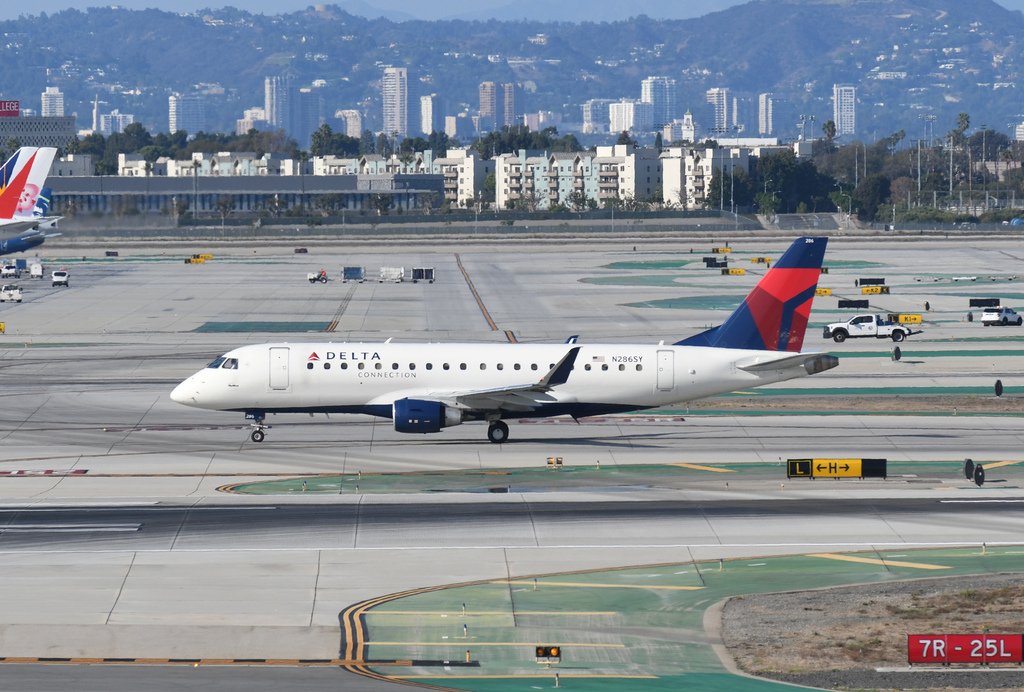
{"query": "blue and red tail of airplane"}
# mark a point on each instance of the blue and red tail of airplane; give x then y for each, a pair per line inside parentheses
(774, 316)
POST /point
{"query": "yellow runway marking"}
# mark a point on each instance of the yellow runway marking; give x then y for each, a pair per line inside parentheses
(458, 613)
(587, 585)
(999, 464)
(472, 642)
(701, 467)
(876, 561)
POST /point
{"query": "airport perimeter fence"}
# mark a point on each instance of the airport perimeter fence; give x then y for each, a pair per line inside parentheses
(331, 227)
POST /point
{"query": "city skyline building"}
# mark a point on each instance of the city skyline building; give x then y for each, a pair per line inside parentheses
(660, 92)
(277, 102)
(765, 114)
(115, 121)
(844, 109)
(352, 120)
(512, 106)
(628, 115)
(186, 113)
(52, 103)
(721, 100)
(431, 117)
(395, 95)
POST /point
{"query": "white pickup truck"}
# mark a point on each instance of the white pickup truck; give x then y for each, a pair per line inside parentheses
(877, 326)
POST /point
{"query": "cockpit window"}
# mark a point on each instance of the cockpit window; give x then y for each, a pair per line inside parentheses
(216, 363)
(230, 364)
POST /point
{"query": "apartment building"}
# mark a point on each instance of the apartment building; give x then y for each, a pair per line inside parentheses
(539, 180)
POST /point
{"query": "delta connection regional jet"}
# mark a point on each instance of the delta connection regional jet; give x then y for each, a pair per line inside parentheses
(426, 387)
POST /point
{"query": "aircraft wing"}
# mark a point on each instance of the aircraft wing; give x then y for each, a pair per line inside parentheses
(524, 397)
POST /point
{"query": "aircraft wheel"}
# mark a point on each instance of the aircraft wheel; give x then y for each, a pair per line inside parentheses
(257, 435)
(497, 432)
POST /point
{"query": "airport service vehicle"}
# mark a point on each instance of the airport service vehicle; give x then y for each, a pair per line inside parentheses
(35, 271)
(423, 387)
(391, 275)
(877, 326)
(423, 274)
(61, 278)
(357, 274)
(999, 315)
(10, 294)
(320, 276)
(10, 271)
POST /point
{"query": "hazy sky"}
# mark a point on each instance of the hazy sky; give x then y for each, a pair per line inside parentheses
(417, 8)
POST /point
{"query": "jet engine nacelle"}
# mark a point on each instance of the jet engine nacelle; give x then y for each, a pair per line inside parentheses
(419, 416)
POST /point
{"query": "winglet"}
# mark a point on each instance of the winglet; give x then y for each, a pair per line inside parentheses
(560, 373)
(573, 339)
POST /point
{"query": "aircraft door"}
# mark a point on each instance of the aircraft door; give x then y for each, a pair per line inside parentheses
(666, 370)
(279, 367)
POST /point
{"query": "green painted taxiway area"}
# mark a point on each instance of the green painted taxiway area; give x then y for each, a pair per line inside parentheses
(639, 629)
(582, 478)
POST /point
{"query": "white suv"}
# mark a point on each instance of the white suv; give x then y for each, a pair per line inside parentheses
(11, 293)
(990, 316)
(61, 278)
(10, 271)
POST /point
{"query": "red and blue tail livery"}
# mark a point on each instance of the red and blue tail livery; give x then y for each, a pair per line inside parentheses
(774, 316)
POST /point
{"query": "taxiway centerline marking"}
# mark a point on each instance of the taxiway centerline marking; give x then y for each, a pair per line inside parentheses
(586, 585)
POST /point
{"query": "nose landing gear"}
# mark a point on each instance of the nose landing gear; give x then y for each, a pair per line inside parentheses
(257, 425)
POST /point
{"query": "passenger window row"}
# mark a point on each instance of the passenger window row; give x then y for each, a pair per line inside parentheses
(463, 366)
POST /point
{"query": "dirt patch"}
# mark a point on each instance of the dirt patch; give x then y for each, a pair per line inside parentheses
(836, 638)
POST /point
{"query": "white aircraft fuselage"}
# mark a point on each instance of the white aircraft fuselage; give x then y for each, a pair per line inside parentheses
(370, 378)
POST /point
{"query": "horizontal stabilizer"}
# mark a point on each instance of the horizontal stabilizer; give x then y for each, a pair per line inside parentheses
(812, 362)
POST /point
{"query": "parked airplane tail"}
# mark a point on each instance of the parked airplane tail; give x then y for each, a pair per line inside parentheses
(42, 207)
(21, 179)
(774, 316)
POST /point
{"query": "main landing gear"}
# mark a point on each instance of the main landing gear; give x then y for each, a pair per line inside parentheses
(258, 426)
(497, 432)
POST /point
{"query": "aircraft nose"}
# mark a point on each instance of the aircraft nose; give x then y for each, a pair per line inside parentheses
(185, 393)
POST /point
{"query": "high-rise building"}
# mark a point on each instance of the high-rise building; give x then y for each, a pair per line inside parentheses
(595, 115)
(721, 100)
(395, 92)
(660, 92)
(53, 103)
(512, 106)
(277, 102)
(844, 109)
(492, 106)
(186, 113)
(765, 106)
(628, 115)
(353, 122)
(115, 121)
(307, 114)
(431, 117)
(252, 119)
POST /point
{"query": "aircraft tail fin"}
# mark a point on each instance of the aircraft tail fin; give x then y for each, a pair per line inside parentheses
(42, 207)
(774, 316)
(21, 179)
